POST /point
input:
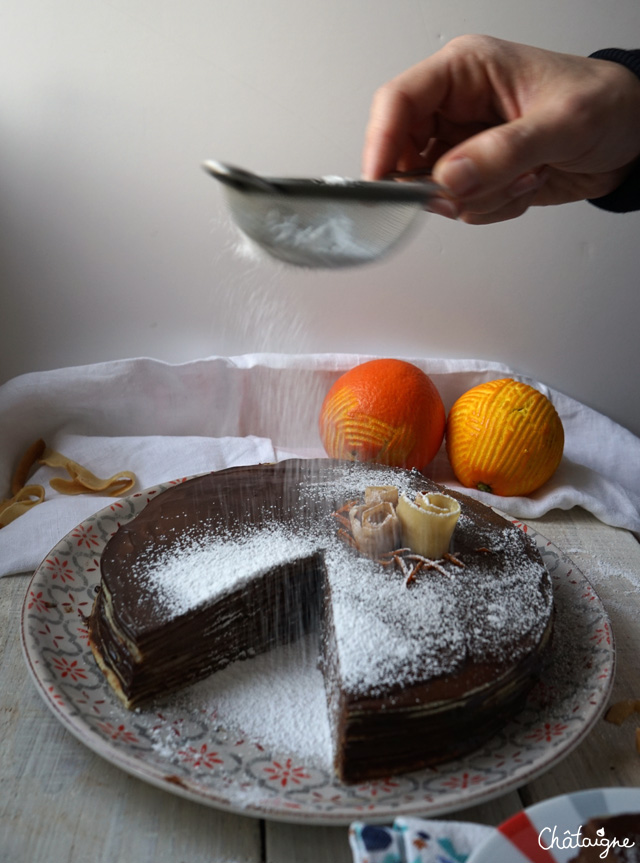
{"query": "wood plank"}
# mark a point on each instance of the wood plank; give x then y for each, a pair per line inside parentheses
(61, 802)
(285, 842)
(493, 812)
(610, 559)
(306, 844)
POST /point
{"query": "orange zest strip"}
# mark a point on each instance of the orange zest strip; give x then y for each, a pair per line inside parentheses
(385, 561)
(416, 569)
(621, 710)
(23, 497)
(30, 457)
(403, 566)
(26, 498)
(346, 537)
(453, 559)
(342, 519)
(82, 480)
(345, 507)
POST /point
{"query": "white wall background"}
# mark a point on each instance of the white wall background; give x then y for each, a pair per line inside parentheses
(114, 243)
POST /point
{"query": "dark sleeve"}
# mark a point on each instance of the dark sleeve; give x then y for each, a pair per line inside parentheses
(626, 197)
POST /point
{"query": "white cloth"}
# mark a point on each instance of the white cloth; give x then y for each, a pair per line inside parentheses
(164, 421)
(25, 542)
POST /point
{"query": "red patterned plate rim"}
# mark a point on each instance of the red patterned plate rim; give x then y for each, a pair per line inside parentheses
(239, 775)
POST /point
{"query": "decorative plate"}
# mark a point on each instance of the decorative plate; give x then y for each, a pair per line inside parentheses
(183, 748)
(548, 831)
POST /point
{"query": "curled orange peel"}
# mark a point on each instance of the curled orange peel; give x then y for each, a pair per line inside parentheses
(26, 498)
(81, 481)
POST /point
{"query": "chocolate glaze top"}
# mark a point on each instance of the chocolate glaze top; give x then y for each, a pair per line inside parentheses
(211, 535)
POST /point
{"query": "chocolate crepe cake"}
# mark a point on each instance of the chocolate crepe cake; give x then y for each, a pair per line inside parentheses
(418, 669)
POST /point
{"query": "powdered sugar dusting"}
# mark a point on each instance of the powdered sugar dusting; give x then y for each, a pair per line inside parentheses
(387, 631)
(206, 565)
(384, 630)
(277, 698)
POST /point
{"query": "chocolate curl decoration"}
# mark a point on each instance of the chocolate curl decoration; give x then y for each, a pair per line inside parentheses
(375, 528)
(428, 523)
(376, 493)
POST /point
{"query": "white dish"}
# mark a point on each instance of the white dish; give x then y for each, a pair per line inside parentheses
(537, 834)
(182, 749)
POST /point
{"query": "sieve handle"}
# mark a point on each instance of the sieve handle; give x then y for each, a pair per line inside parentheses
(239, 178)
(379, 191)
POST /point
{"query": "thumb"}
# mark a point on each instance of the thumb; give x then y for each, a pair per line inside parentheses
(497, 157)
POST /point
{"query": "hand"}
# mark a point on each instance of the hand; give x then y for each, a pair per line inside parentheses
(505, 126)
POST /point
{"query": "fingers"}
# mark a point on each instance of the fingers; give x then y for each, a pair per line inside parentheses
(401, 119)
(386, 133)
(499, 157)
(492, 120)
(510, 209)
(504, 204)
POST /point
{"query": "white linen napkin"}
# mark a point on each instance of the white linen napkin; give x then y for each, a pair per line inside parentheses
(153, 459)
(163, 421)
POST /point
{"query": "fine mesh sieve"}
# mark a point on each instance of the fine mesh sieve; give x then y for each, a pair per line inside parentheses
(327, 223)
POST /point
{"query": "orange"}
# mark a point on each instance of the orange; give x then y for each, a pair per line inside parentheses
(386, 411)
(504, 437)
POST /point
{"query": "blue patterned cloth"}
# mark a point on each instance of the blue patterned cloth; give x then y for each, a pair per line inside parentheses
(413, 840)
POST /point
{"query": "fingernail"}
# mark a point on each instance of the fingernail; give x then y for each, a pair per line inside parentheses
(443, 207)
(460, 176)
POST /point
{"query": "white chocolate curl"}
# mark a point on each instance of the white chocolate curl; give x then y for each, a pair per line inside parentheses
(428, 523)
(375, 527)
(374, 493)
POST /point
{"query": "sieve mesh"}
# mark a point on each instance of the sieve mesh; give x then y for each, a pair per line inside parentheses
(318, 232)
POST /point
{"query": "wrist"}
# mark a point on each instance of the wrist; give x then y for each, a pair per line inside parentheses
(629, 59)
(626, 196)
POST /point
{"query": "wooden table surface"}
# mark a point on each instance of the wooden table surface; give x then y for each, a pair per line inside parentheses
(61, 802)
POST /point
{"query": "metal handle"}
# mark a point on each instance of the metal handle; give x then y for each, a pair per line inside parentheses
(238, 177)
(380, 191)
